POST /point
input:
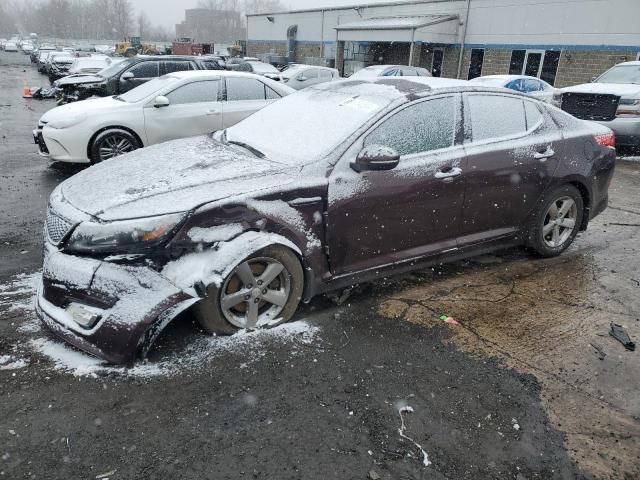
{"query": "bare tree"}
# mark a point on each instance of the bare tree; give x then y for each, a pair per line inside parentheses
(144, 25)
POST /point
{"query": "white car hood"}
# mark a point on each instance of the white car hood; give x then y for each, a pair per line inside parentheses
(170, 177)
(87, 107)
(627, 90)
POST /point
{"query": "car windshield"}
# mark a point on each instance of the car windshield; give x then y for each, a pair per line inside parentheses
(264, 67)
(147, 89)
(302, 127)
(621, 74)
(368, 72)
(112, 69)
(89, 63)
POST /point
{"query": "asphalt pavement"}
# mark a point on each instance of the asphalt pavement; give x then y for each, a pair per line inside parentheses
(527, 385)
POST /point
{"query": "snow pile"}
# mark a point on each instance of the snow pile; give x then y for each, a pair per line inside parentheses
(200, 352)
(8, 362)
(20, 292)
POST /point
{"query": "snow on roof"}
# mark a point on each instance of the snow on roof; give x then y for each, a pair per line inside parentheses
(396, 23)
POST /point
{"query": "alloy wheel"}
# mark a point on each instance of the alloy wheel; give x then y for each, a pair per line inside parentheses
(114, 145)
(255, 293)
(559, 222)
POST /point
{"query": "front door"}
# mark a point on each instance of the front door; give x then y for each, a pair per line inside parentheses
(512, 152)
(533, 62)
(381, 217)
(194, 109)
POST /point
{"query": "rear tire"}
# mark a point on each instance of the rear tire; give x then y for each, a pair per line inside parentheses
(112, 143)
(245, 298)
(556, 222)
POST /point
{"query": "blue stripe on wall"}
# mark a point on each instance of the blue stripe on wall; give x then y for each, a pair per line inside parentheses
(508, 46)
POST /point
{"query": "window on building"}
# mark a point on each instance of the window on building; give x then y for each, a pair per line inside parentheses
(495, 116)
(517, 62)
(436, 63)
(477, 59)
(422, 127)
(550, 66)
(195, 93)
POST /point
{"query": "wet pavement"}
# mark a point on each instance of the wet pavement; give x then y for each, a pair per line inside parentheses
(528, 385)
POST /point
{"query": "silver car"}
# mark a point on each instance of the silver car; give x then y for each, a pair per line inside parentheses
(299, 76)
(612, 99)
(391, 71)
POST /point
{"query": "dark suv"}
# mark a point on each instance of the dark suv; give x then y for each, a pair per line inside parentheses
(123, 76)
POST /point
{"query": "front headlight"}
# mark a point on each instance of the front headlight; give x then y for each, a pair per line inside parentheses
(628, 107)
(67, 122)
(123, 236)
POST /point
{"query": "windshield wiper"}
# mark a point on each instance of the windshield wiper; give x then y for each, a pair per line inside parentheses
(246, 146)
(117, 97)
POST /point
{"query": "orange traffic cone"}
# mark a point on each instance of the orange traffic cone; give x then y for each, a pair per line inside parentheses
(26, 93)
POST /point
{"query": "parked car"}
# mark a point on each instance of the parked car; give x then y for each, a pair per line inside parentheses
(58, 66)
(89, 65)
(27, 48)
(613, 99)
(10, 47)
(524, 84)
(242, 225)
(259, 68)
(42, 48)
(177, 105)
(126, 75)
(43, 56)
(390, 71)
(299, 76)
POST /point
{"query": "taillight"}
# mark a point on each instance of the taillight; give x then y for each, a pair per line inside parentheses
(606, 139)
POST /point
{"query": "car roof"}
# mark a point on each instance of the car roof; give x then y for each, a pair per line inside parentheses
(212, 73)
(631, 63)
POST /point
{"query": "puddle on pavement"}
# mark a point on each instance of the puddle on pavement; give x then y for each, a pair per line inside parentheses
(544, 317)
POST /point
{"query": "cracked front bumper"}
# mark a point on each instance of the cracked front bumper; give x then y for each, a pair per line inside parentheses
(133, 304)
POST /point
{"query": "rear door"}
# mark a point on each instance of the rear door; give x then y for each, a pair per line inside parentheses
(194, 109)
(244, 96)
(511, 145)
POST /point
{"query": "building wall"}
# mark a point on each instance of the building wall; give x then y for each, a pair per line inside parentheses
(577, 67)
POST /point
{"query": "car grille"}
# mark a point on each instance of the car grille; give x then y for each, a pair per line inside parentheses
(590, 106)
(57, 227)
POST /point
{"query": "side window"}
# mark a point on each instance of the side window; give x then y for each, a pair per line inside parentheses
(409, 72)
(239, 88)
(532, 113)
(175, 66)
(532, 86)
(423, 127)
(391, 73)
(311, 73)
(195, 92)
(145, 70)
(495, 116)
(270, 93)
(515, 85)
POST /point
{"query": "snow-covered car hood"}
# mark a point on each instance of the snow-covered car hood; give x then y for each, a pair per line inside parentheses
(170, 177)
(79, 78)
(87, 107)
(627, 90)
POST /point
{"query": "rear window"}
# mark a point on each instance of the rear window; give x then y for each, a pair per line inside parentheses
(495, 116)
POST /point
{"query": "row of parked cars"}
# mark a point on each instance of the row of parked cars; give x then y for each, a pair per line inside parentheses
(278, 195)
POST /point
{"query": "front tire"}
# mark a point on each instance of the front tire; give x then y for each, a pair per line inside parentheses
(264, 290)
(112, 143)
(556, 222)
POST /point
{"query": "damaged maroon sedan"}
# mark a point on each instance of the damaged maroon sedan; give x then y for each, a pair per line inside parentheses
(343, 182)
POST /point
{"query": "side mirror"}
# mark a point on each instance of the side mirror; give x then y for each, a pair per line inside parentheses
(161, 101)
(593, 79)
(376, 157)
(127, 76)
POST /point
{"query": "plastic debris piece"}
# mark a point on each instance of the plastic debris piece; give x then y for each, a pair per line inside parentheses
(599, 350)
(619, 333)
(449, 320)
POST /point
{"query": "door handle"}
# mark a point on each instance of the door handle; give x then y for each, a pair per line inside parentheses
(453, 172)
(544, 155)
(212, 112)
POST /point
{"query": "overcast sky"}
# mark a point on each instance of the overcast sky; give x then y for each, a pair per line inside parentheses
(170, 12)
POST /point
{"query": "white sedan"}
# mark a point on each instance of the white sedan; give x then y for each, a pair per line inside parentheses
(10, 47)
(181, 104)
(524, 84)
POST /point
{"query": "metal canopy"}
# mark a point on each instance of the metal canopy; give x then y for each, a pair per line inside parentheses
(396, 23)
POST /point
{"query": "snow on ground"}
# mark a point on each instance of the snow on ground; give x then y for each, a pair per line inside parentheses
(19, 293)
